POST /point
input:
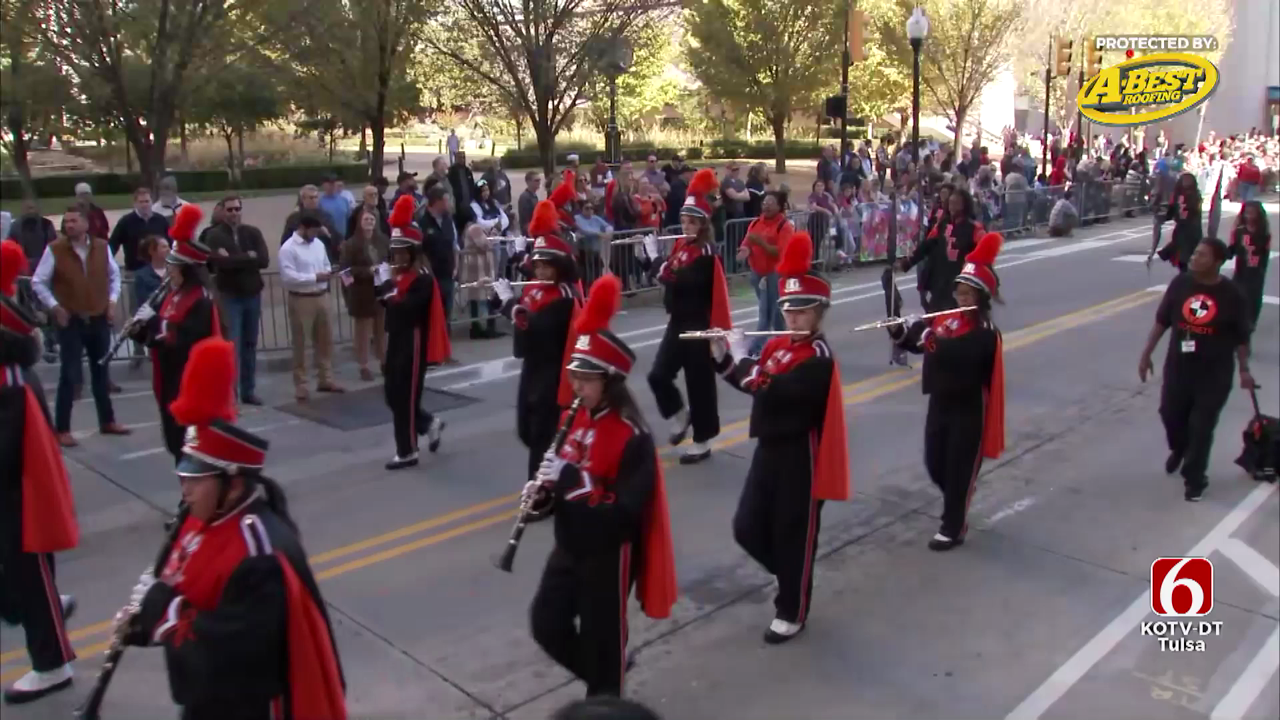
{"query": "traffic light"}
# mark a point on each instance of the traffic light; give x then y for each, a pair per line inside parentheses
(1093, 60)
(835, 107)
(1062, 56)
(857, 36)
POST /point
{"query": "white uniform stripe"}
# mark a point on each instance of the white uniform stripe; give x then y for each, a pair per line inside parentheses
(170, 620)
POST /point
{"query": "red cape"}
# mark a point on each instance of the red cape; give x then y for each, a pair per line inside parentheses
(831, 466)
(720, 317)
(564, 396)
(438, 347)
(993, 424)
(315, 685)
(48, 511)
(656, 586)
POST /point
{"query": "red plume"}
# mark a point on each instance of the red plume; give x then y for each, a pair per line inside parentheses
(602, 302)
(545, 220)
(208, 384)
(565, 192)
(402, 212)
(797, 256)
(13, 262)
(185, 222)
(985, 252)
(703, 183)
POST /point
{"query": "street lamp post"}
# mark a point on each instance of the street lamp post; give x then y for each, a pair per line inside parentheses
(917, 29)
(617, 60)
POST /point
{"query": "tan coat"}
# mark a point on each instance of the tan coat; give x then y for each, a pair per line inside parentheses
(476, 262)
(362, 256)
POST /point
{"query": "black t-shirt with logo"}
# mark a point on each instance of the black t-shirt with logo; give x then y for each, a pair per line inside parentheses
(1206, 323)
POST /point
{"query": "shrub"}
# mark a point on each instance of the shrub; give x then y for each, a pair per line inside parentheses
(259, 178)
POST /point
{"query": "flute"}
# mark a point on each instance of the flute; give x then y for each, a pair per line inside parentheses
(637, 239)
(514, 284)
(708, 334)
(888, 322)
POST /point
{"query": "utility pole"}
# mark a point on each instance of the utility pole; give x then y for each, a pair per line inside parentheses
(1044, 137)
(845, 60)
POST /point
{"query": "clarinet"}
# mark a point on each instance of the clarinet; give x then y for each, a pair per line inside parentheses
(508, 557)
(92, 705)
(154, 300)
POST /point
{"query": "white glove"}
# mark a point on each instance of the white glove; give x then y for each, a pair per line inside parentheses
(503, 289)
(530, 492)
(549, 470)
(910, 320)
(737, 342)
(145, 581)
(145, 313)
(521, 243)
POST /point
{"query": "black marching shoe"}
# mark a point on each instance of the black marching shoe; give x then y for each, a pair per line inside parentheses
(35, 685)
(434, 431)
(781, 631)
(942, 543)
(1195, 492)
(679, 427)
(398, 462)
(68, 606)
(1172, 463)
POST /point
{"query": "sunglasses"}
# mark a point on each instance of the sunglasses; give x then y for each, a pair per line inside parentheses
(231, 209)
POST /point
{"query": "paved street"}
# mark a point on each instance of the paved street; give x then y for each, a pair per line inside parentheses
(1036, 616)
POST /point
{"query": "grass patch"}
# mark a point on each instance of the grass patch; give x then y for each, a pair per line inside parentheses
(54, 206)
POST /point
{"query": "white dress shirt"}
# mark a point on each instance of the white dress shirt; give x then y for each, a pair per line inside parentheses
(42, 281)
(300, 262)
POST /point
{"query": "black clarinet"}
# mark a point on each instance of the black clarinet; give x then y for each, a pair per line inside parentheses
(91, 707)
(508, 557)
(154, 300)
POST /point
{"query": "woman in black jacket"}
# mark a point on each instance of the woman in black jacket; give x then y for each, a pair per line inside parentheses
(1184, 211)
(945, 249)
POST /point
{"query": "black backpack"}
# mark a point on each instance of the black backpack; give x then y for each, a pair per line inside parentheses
(1261, 439)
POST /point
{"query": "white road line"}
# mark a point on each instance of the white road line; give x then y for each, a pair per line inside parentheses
(1271, 299)
(157, 451)
(1011, 509)
(1070, 672)
(1254, 563)
(1252, 681)
(1143, 258)
(1072, 248)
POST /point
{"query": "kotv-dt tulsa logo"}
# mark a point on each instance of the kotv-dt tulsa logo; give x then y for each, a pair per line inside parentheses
(1182, 587)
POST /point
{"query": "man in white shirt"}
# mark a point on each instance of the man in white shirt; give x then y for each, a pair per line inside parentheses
(305, 272)
(169, 202)
(78, 280)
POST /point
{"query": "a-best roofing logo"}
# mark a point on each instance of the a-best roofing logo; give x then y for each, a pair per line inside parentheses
(1149, 88)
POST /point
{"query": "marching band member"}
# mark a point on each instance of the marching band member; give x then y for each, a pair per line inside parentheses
(417, 335)
(235, 607)
(612, 529)
(187, 315)
(1251, 247)
(696, 297)
(543, 317)
(1184, 211)
(946, 248)
(964, 378)
(802, 457)
(37, 514)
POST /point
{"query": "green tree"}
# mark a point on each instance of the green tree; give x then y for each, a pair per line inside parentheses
(538, 56)
(233, 101)
(771, 56)
(645, 88)
(968, 45)
(33, 92)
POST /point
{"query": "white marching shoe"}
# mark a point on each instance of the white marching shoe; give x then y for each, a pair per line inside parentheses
(679, 426)
(398, 462)
(434, 431)
(35, 685)
(695, 453)
(781, 631)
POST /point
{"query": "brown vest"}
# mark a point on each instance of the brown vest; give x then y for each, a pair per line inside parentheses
(83, 288)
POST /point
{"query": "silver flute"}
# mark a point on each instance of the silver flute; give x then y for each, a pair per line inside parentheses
(890, 322)
(637, 239)
(708, 334)
(491, 283)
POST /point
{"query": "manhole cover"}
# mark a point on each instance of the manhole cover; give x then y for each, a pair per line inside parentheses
(366, 408)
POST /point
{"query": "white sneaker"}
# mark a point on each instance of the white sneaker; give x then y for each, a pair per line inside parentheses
(398, 462)
(695, 452)
(35, 685)
(434, 432)
(781, 631)
(679, 426)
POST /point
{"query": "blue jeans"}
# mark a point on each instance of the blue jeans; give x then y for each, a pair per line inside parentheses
(769, 315)
(93, 338)
(446, 290)
(243, 315)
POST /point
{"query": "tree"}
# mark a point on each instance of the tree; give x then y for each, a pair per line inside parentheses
(233, 101)
(352, 57)
(645, 88)
(773, 56)
(968, 45)
(33, 92)
(539, 56)
(99, 39)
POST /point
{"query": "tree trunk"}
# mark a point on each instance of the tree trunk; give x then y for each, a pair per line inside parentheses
(779, 122)
(518, 118)
(378, 153)
(18, 151)
(333, 136)
(959, 139)
(231, 157)
(379, 125)
(364, 142)
(182, 142)
(128, 158)
(240, 143)
(546, 149)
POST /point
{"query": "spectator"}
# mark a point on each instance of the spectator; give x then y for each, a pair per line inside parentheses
(571, 164)
(655, 176)
(453, 144)
(304, 273)
(219, 216)
(1249, 179)
(594, 236)
(499, 183)
(33, 232)
(440, 243)
(335, 206)
(488, 214)
(528, 199)
(169, 202)
(679, 187)
(134, 226)
(766, 236)
(362, 251)
(476, 266)
(828, 169)
(619, 203)
(309, 206)
(406, 184)
(371, 203)
(380, 183)
(463, 183)
(1064, 218)
(439, 175)
(671, 171)
(78, 280)
(850, 223)
(340, 187)
(650, 207)
(238, 255)
(734, 191)
(599, 175)
(98, 225)
(822, 212)
(148, 278)
(757, 182)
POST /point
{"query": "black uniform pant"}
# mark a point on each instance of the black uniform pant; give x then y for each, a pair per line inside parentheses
(694, 358)
(777, 522)
(1189, 409)
(593, 591)
(540, 431)
(953, 455)
(403, 390)
(1250, 284)
(29, 597)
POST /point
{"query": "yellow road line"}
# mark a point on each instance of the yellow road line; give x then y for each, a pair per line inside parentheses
(737, 435)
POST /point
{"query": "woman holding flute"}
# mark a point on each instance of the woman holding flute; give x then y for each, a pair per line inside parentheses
(543, 317)
(696, 297)
(964, 378)
(801, 458)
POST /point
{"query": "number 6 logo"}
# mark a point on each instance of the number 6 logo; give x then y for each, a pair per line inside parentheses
(1181, 586)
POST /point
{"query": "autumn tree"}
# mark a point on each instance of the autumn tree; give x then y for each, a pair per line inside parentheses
(539, 56)
(645, 88)
(771, 56)
(34, 93)
(968, 45)
(235, 100)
